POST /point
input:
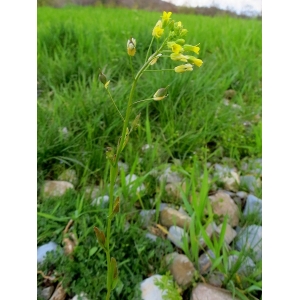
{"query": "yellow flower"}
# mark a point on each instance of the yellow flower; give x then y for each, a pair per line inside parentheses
(131, 44)
(161, 94)
(192, 48)
(166, 18)
(178, 56)
(183, 68)
(157, 30)
(176, 48)
(196, 61)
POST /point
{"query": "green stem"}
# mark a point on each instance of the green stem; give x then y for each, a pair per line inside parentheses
(159, 70)
(114, 168)
(111, 98)
(149, 49)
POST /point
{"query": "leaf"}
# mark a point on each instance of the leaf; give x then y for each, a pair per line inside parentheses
(93, 251)
(114, 273)
(126, 139)
(116, 207)
(135, 122)
(100, 237)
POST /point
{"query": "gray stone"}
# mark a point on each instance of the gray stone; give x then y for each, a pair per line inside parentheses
(92, 192)
(250, 238)
(151, 236)
(147, 217)
(204, 291)
(42, 251)
(210, 229)
(150, 291)
(223, 205)
(230, 233)
(102, 201)
(253, 206)
(246, 268)
(130, 182)
(123, 166)
(170, 216)
(176, 234)
(169, 176)
(54, 188)
(69, 176)
(81, 296)
(47, 292)
(205, 262)
(216, 279)
(181, 268)
(242, 194)
(250, 183)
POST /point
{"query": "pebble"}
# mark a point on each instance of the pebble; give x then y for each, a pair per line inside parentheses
(210, 229)
(169, 176)
(102, 201)
(176, 234)
(69, 175)
(42, 251)
(147, 217)
(222, 205)
(205, 262)
(54, 188)
(92, 192)
(216, 279)
(246, 268)
(170, 216)
(82, 296)
(242, 194)
(253, 206)
(181, 268)
(204, 291)
(151, 236)
(47, 292)
(250, 183)
(230, 233)
(130, 179)
(150, 291)
(251, 238)
(123, 166)
(59, 293)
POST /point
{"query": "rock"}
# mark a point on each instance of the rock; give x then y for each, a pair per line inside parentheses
(54, 188)
(42, 251)
(130, 181)
(230, 233)
(216, 279)
(210, 229)
(169, 176)
(59, 293)
(229, 94)
(151, 236)
(182, 211)
(253, 206)
(146, 147)
(242, 194)
(205, 262)
(176, 234)
(250, 183)
(250, 238)
(246, 268)
(123, 166)
(147, 217)
(204, 291)
(47, 292)
(81, 296)
(92, 192)
(69, 176)
(170, 216)
(181, 268)
(150, 291)
(102, 201)
(223, 205)
(232, 181)
(173, 189)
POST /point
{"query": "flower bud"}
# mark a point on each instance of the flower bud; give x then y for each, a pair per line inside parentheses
(184, 68)
(131, 44)
(102, 78)
(180, 42)
(191, 48)
(161, 94)
(154, 60)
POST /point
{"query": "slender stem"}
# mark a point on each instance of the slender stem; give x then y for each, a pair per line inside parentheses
(159, 70)
(149, 49)
(142, 100)
(130, 57)
(111, 98)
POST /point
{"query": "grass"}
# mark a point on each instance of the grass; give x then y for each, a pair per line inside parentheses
(192, 125)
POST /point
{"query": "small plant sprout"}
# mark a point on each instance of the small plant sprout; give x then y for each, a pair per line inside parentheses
(169, 35)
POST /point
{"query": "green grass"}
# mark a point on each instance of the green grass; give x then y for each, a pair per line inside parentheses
(192, 125)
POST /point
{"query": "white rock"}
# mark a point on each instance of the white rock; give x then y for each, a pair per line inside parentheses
(47, 292)
(123, 166)
(253, 206)
(169, 176)
(150, 291)
(101, 201)
(176, 234)
(54, 188)
(69, 176)
(130, 179)
(147, 147)
(42, 251)
(82, 296)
